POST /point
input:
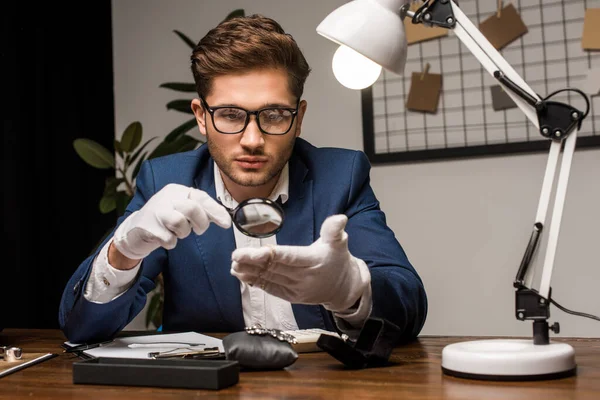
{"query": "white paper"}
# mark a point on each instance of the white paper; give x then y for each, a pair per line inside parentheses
(119, 348)
(592, 82)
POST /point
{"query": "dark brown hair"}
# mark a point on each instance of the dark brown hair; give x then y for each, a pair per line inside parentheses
(242, 44)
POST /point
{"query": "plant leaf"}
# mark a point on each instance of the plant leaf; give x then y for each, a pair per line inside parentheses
(183, 106)
(121, 201)
(94, 153)
(111, 184)
(235, 13)
(153, 309)
(132, 136)
(183, 143)
(138, 152)
(162, 149)
(180, 87)
(118, 148)
(108, 203)
(158, 317)
(180, 130)
(186, 39)
(137, 167)
(126, 162)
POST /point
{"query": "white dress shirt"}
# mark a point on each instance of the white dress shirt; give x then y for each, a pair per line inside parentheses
(106, 283)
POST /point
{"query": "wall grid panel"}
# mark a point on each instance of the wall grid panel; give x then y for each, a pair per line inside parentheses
(549, 57)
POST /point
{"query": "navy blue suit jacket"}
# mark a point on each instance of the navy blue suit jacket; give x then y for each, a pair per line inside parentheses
(200, 293)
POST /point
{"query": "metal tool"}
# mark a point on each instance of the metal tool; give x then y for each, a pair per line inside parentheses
(207, 352)
(10, 354)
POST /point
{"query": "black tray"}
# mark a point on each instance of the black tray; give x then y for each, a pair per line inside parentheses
(173, 373)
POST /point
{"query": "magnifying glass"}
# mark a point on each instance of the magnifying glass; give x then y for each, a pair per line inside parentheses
(257, 217)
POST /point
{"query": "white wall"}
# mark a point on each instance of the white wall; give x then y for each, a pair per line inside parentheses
(464, 223)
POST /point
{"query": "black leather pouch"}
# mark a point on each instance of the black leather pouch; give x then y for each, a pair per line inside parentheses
(372, 348)
(258, 352)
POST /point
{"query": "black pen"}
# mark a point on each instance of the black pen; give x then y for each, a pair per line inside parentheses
(83, 347)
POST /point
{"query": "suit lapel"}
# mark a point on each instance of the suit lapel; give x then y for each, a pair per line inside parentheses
(216, 246)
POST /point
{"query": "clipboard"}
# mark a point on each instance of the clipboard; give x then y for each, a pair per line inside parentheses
(122, 347)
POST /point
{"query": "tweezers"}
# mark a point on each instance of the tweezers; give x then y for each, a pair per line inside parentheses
(208, 352)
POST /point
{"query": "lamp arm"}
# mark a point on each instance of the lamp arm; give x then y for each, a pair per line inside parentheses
(496, 65)
(532, 101)
(556, 121)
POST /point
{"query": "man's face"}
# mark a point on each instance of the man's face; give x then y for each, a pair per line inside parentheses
(250, 159)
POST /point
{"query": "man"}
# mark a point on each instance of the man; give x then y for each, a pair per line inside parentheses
(333, 264)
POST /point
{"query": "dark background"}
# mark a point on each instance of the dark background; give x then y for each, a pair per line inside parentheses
(57, 86)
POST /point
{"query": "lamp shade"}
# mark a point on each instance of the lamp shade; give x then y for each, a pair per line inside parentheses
(373, 28)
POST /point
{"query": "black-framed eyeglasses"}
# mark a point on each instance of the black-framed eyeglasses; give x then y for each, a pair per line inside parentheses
(270, 120)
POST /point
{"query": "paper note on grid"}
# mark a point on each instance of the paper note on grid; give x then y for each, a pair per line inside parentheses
(121, 347)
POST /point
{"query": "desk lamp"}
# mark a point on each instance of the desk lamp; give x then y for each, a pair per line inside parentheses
(371, 35)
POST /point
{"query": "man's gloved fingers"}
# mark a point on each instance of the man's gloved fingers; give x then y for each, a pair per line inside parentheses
(297, 256)
(332, 229)
(169, 243)
(252, 272)
(194, 213)
(170, 191)
(283, 292)
(243, 277)
(215, 212)
(293, 280)
(244, 268)
(176, 223)
(294, 256)
(142, 237)
(250, 255)
(270, 283)
(244, 272)
(295, 273)
(163, 238)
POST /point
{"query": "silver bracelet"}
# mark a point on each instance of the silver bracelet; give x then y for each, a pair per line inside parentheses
(276, 333)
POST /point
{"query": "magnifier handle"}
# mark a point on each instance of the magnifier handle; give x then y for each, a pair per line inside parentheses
(230, 211)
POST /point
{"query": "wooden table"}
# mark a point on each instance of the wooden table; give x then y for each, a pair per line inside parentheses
(416, 374)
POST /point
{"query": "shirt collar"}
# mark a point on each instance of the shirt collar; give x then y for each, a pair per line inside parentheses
(281, 189)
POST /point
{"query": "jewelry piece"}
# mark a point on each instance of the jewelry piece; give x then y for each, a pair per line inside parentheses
(10, 354)
(276, 333)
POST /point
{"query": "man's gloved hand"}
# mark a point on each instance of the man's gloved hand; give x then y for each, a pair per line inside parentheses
(170, 214)
(323, 273)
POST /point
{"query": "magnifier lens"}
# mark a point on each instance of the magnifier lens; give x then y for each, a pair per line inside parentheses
(258, 217)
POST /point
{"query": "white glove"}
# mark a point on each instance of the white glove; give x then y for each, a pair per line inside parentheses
(170, 214)
(323, 273)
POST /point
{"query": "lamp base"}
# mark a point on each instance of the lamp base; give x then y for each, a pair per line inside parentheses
(508, 360)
